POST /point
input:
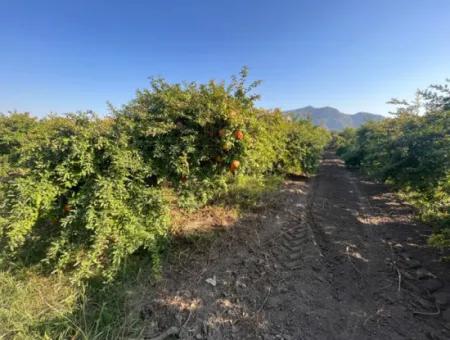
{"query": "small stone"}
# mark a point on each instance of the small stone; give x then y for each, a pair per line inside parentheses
(431, 285)
(397, 246)
(442, 298)
(199, 336)
(212, 281)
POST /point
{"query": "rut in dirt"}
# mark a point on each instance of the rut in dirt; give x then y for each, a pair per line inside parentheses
(376, 292)
(335, 257)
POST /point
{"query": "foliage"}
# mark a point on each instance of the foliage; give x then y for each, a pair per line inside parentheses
(304, 146)
(80, 194)
(15, 130)
(410, 151)
(190, 135)
(186, 133)
(81, 203)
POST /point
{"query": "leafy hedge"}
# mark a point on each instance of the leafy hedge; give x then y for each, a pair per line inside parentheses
(80, 202)
(81, 193)
(412, 152)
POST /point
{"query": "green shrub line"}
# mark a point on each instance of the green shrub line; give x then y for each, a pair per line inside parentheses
(81, 193)
(410, 151)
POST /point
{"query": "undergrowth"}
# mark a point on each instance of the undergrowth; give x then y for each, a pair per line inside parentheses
(34, 305)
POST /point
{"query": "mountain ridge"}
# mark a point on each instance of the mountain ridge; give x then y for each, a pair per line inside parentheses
(332, 118)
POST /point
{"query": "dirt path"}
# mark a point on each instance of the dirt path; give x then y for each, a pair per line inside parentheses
(333, 258)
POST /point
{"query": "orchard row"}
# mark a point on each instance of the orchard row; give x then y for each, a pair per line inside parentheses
(81, 193)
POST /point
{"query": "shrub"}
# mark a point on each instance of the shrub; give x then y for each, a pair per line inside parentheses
(187, 133)
(82, 203)
(411, 152)
(305, 143)
(85, 193)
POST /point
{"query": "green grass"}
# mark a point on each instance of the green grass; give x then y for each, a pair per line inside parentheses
(38, 306)
(33, 306)
(247, 191)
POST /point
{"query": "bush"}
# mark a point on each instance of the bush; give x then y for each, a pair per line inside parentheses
(305, 143)
(81, 203)
(80, 194)
(411, 152)
(189, 135)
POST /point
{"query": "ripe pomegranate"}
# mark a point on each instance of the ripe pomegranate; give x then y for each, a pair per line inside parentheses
(234, 165)
(239, 135)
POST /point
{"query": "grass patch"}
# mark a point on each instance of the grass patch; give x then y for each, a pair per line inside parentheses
(246, 192)
(38, 306)
(33, 306)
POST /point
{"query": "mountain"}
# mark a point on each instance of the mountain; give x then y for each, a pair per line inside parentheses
(332, 118)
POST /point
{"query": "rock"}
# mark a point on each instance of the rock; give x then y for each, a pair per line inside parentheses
(431, 285)
(212, 281)
(199, 336)
(442, 298)
(398, 247)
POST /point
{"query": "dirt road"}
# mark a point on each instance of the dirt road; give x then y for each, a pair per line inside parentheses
(335, 257)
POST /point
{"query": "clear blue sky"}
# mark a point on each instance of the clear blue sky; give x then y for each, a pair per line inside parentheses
(65, 56)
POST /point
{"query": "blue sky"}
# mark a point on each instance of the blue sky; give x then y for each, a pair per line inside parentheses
(66, 56)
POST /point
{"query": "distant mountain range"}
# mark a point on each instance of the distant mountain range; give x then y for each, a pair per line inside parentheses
(332, 118)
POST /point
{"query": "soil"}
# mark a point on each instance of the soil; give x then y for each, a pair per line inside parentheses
(332, 257)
